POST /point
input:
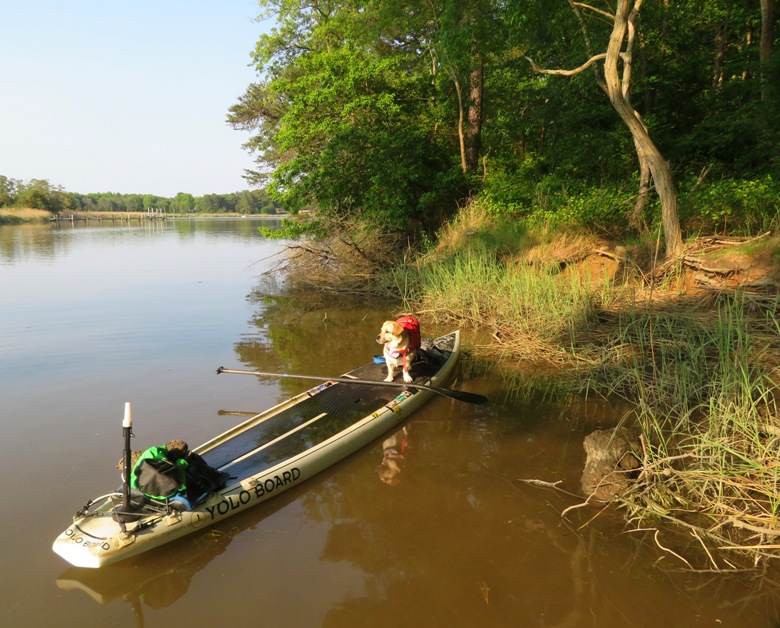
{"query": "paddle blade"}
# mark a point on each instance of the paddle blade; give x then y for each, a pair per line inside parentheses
(462, 395)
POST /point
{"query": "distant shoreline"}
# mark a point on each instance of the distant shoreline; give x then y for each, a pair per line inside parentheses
(16, 215)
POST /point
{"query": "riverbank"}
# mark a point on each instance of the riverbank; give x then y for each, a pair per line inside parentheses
(18, 215)
(692, 344)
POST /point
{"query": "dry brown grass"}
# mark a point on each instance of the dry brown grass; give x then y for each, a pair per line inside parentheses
(25, 213)
(563, 249)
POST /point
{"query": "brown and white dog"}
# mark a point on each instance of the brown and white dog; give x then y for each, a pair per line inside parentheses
(398, 351)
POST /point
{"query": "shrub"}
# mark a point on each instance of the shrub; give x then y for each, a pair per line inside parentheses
(739, 206)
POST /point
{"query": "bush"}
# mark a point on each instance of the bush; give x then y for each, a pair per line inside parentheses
(602, 209)
(511, 190)
(739, 206)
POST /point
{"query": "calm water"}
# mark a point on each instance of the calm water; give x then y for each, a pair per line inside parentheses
(93, 316)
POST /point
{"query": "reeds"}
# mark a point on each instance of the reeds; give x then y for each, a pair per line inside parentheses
(707, 412)
(532, 307)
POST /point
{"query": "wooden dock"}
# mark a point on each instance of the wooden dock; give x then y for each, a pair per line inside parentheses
(113, 217)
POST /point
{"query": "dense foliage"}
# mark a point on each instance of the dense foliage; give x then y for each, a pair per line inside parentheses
(40, 194)
(393, 111)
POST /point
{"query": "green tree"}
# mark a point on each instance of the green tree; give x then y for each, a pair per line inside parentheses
(182, 203)
(133, 202)
(391, 112)
(343, 119)
(36, 194)
(150, 202)
(209, 204)
(75, 201)
(263, 203)
(246, 203)
(8, 189)
(108, 203)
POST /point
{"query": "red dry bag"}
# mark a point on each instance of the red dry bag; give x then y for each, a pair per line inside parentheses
(412, 326)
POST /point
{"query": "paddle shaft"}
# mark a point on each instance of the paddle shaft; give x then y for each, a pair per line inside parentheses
(444, 392)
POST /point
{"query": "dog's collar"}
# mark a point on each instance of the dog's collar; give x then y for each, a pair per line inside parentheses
(401, 353)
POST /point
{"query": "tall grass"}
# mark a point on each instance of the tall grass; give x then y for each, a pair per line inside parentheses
(528, 306)
(707, 412)
(479, 274)
(700, 380)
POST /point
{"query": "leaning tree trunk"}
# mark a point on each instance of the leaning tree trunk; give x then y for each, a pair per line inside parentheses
(618, 90)
(659, 168)
(636, 218)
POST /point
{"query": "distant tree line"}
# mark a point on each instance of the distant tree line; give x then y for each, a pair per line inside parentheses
(40, 194)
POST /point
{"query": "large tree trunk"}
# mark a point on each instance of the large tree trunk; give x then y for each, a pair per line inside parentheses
(474, 133)
(659, 168)
(618, 89)
(767, 31)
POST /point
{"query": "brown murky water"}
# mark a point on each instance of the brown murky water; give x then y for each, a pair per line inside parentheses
(91, 317)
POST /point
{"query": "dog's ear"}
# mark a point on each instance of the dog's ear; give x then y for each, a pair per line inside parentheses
(387, 326)
(397, 329)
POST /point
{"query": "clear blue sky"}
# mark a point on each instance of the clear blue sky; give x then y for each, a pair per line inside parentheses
(130, 97)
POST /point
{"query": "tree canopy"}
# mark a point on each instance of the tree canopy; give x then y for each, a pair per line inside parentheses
(392, 112)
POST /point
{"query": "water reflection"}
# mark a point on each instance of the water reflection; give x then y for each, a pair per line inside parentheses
(458, 539)
(32, 241)
(50, 241)
(160, 578)
(394, 456)
(312, 338)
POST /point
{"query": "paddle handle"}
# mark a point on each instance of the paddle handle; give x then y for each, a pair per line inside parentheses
(127, 432)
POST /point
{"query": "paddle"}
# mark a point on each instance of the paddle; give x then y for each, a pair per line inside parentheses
(127, 432)
(444, 392)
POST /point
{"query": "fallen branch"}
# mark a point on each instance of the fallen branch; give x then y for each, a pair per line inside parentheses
(757, 529)
(697, 264)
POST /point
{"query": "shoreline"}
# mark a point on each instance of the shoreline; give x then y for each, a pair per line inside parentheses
(21, 215)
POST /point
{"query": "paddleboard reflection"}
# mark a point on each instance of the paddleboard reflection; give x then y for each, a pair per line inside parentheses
(159, 578)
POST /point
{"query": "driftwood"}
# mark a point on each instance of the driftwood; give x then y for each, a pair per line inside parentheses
(620, 255)
(720, 279)
(695, 263)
